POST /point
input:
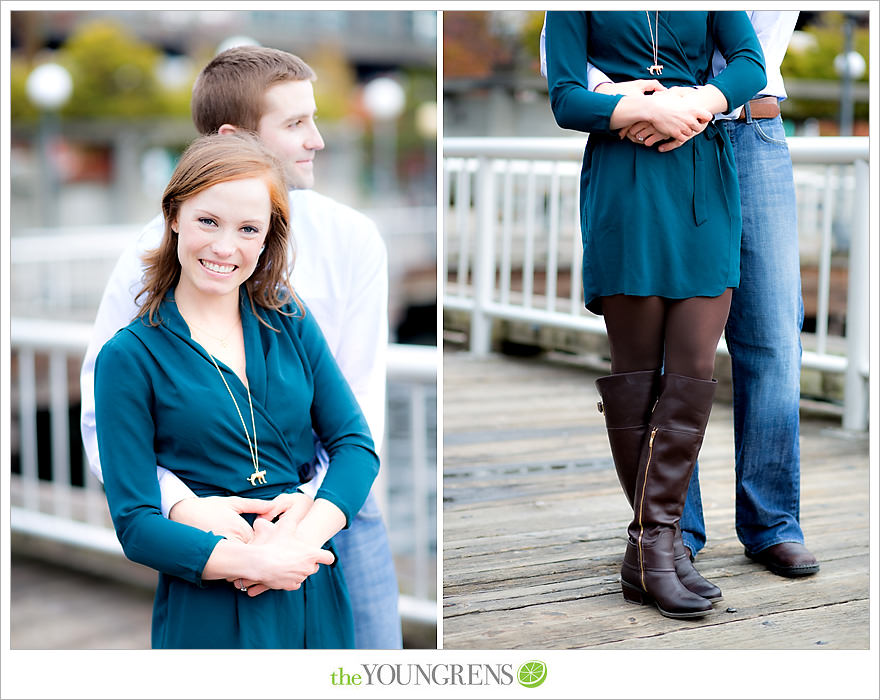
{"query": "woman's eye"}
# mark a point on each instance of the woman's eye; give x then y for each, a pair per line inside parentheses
(207, 221)
(249, 229)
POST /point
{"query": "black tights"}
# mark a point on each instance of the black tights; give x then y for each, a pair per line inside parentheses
(680, 335)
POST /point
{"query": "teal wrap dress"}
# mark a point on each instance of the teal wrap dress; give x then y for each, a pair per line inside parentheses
(665, 224)
(160, 400)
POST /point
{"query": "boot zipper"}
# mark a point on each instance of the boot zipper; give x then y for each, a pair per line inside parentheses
(642, 504)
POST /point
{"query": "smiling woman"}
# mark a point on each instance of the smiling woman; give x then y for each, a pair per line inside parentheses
(222, 350)
(220, 234)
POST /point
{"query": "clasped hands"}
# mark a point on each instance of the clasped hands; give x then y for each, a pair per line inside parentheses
(222, 516)
(678, 116)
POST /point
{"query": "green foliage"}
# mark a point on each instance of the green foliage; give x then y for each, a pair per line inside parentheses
(114, 73)
(531, 35)
(20, 109)
(336, 82)
(817, 63)
(114, 76)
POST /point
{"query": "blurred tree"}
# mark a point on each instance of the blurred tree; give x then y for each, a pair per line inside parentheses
(20, 108)
(816, 62)
(114, 75)
(531, 37)
(470, 49)
(335, 88)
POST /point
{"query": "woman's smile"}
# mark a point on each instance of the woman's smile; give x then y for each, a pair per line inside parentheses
(221, 231)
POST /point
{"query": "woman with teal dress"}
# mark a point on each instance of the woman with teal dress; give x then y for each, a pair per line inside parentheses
(222, 379)
(660, 222)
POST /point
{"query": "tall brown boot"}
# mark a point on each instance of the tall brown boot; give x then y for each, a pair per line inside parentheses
(626, 402)
(676, 430)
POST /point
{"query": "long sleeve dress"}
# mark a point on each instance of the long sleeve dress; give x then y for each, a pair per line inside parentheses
(665, 224)
(160, 399)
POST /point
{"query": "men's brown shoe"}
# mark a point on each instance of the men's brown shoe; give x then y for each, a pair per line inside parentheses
(789, 559)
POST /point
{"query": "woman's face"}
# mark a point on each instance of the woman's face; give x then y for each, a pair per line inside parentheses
(220, 233)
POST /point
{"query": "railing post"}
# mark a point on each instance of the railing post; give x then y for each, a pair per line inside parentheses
(58, 419)
(418, 437)
(27, 422)
(484, 259)
(855, 403)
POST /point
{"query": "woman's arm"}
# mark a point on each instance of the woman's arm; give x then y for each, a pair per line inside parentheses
(125, 431)
(744, 76)
(575, 106)
(339, 423)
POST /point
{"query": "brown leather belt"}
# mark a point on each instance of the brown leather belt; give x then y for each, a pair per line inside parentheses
(761, 108)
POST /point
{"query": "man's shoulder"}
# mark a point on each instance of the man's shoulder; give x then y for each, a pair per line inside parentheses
(327, 216)
(152, 232)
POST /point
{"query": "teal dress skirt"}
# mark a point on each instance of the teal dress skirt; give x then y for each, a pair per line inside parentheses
(665, 224)
(160, 400)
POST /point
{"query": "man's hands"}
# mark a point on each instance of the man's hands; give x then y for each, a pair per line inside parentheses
(630, 87)
(289, 508)
(220, 515)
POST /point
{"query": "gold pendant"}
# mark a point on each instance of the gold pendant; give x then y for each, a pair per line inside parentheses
(258, 477)
(655, 69)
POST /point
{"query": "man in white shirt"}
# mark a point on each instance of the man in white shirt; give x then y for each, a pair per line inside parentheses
(766, 314)
(341, 274)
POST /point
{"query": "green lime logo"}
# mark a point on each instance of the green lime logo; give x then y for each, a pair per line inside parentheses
(531, 674)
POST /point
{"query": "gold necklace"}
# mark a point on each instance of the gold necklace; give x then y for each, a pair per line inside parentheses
(224, 342)
(259, 476)
(656, 69)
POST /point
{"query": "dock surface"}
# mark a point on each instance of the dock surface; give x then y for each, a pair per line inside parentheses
(534, 525)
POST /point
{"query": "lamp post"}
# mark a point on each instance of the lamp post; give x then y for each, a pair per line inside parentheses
(384, 100)
(850, 66)
(426, 125)
(49, 86)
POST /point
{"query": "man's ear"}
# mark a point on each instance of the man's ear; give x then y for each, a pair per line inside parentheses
(227, 129)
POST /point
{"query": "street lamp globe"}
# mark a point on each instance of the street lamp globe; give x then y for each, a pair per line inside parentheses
(426, 120)
(237, 40)
(850, 64)
(384, 98)
(49, 86)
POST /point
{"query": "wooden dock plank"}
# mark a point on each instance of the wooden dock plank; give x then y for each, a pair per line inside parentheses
(534, 526)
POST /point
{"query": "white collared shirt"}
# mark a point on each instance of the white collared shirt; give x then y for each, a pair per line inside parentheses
(340, 272)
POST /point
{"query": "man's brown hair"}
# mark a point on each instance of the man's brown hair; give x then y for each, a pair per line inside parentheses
(230, 89)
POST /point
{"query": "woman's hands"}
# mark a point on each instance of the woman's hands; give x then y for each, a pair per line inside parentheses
(675, 114)
(671, 118)
(290, 509)
(288, 560)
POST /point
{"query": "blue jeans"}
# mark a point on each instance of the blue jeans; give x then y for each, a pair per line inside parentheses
(369, 575)
(763, 336)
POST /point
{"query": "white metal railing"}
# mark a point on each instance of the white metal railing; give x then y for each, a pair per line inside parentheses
(511, 209)
(412, 373)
